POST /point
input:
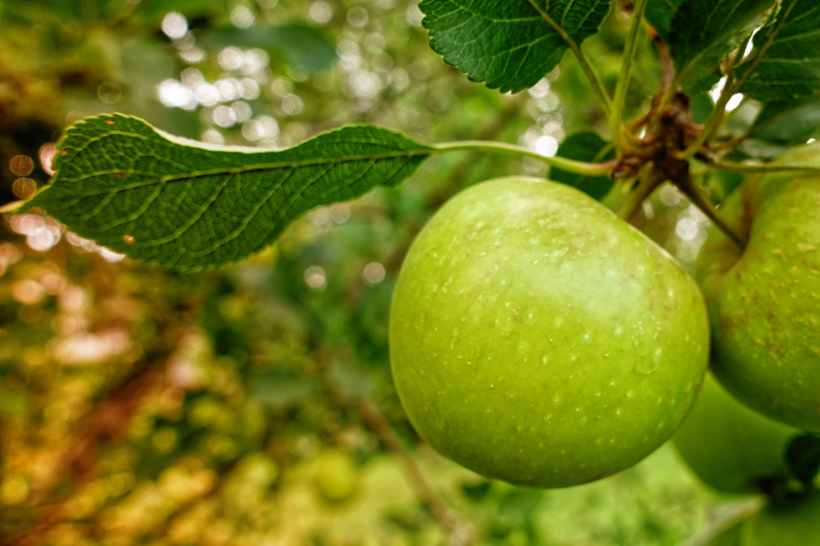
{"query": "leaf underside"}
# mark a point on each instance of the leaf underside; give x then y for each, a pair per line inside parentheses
(509, 45)
(659, 14)
(791, 66)
(124, 185)
(789, 122)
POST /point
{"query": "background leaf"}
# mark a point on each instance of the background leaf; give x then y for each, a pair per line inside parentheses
(795, 121)
(129, 188)
(585, 146)
(302, 45)
(508, 45)
(791, 66)
(704, 32)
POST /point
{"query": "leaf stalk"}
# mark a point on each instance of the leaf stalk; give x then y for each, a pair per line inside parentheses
(577, 167)
(619, 102)
(744, 168)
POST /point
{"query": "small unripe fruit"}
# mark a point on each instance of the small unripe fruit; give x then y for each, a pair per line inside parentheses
(538, 339)
(336, 476)
(729, 446)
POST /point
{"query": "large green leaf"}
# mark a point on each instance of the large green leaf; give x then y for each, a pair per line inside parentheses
(659, 14)
(510, 44)
(794, 121)
(588, 147)
(125, 185)
(704, 32)
(791, 66)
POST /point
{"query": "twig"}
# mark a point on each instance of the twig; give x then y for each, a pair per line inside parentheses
(461, 534)
(687, 185)
(647, 185)
(667, 66)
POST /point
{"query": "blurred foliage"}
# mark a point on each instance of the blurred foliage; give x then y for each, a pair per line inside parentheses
(139, 406)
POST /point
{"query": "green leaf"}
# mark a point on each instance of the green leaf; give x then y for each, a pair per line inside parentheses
(131, 188)
(803, 457)
(704, 32)
(659, 14)
(301, 44)
(510, 45)
(794, 122)
(589, 147)
(790, 67)
(156, 9)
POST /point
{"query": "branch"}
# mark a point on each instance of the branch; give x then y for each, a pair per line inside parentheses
(460, 533)
(621, 89)
(578, 167)
(647, 185)
(593, 78)
(687, 185)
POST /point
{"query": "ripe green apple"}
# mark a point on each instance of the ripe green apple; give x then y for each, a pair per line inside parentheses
(538, 339)
(729, 446)
(764, 302)
(796, 523)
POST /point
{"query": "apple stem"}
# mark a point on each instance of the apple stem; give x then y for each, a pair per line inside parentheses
(570, 165)
(642, 191)
(695, 193)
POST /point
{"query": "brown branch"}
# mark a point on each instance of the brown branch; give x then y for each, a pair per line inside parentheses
(687, 185)
(108, 422)
(460, 533)
(644, 189)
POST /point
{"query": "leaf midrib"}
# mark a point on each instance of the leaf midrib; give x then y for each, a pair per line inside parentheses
(240, 170)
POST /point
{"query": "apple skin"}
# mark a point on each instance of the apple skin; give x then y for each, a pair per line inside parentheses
(729, 446)
(794, 524)
(538, 339)
(764, 302)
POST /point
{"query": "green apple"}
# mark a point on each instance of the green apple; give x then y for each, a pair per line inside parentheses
(336, 476)
(796, 523)
(538, 339)
(729, 446)
(764, 301)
